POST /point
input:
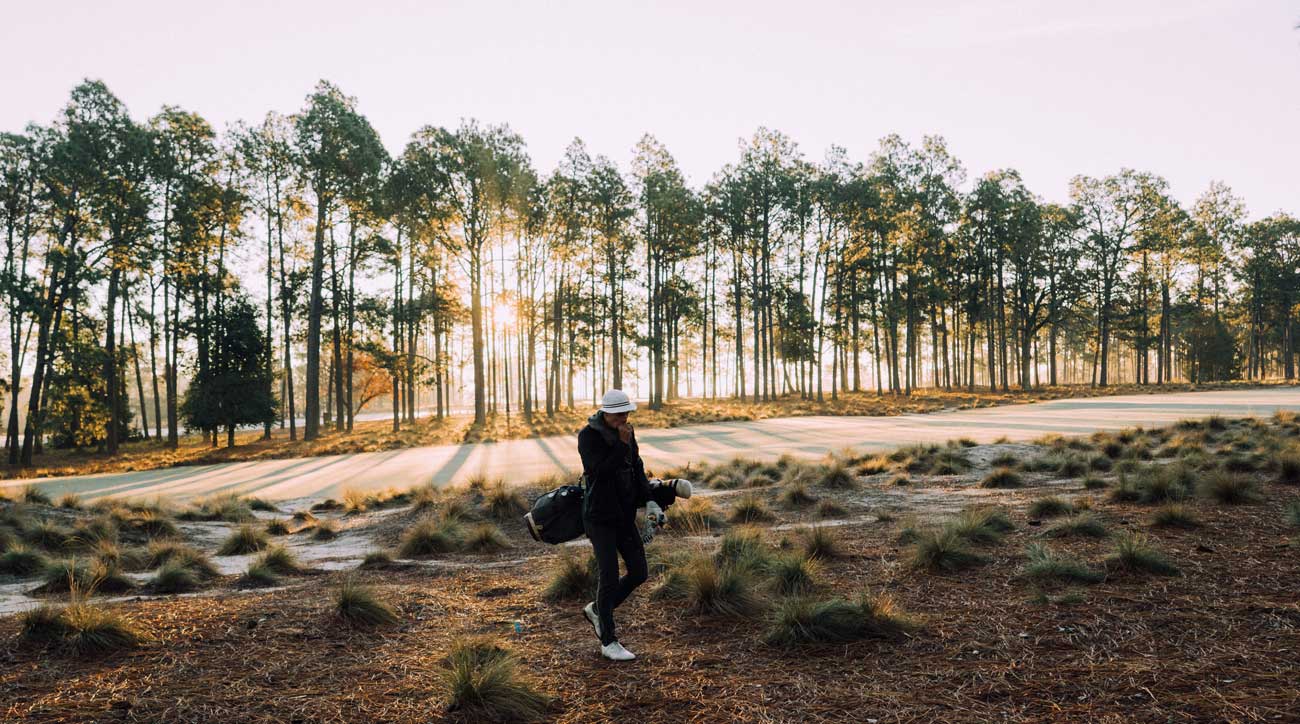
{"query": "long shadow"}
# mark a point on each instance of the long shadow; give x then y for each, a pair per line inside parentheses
(217, 468)
(255, 484)
(444, 474)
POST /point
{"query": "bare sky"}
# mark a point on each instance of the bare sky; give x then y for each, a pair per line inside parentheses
(1194, 90)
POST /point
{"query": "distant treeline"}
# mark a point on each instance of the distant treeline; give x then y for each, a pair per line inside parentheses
(161, 276)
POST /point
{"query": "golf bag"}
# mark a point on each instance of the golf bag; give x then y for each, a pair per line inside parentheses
(556, 516)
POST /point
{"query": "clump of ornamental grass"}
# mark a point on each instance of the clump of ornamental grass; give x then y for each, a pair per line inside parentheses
(1001, 478)
(949, 461)
(750, 509)
(942, 550)
(71, 575)
(79, 629)
(1291, 514)
(1228, 489)
(743, 548)
(1287, 464)
(325, 530)
(303, 517)
(1100, 463)
(431, 536)
(1175, 515)
(1071, 466)
(70, 501)
(1050, 507)
(150, 524)
(1135, 554)
(874, 465)
(1044, 565)
(174, 578)
(572, 578)
(1125, 491)
(1093, 482)
(796, 495)
(377, 560)
(243, 540)
(836, 475)
(1005, 460)
(279, 560)
(484, 684)
(21, 562)
(821, 544)
(278, 527)
(693, 516)
(33, 494)
(360, 606)
(720, 590)
(828, 509)
(504, 503)
(485, 538)
(981, 525)
(160, 553)
(1080, 525)
(228, 507)
(793, 575)
(803, 621)
(48, 535)
(259, 575)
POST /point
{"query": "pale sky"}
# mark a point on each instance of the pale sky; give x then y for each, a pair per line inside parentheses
(1195, 90)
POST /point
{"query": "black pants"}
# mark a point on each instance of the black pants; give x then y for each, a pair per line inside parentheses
(608, 542)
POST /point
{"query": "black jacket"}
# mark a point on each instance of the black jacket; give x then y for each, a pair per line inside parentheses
(616, 480)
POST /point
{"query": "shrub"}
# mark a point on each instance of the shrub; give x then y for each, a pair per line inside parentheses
(942, 550)
(1050, 507)
(359, 606)
(244, 539)
(750, 509)
(572, 578)
(483, 682)
(485, 538)
(1079, 525)
(1045, 565)
(430, 536)
(803, 621)
(1001, 478)
(1134, 553)
(79, 628)
(1175, 515)
(1228, 489)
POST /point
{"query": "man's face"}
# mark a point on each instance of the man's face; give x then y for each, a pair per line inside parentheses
(615, 419)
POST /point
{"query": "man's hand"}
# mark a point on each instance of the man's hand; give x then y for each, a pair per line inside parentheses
(625, 433)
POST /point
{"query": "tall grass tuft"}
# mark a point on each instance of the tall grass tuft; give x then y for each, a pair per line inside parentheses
(360, 606)
(800, 621)
(243, 540)
(484, 683)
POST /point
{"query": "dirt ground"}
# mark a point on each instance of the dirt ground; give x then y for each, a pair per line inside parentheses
(1221, 642)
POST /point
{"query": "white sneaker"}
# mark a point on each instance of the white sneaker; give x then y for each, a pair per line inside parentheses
(590, 612)
(614, 651)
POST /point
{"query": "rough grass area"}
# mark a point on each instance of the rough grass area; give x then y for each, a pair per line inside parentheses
(1076, 616)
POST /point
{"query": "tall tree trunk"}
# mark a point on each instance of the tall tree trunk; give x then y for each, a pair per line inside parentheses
(311, 426)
